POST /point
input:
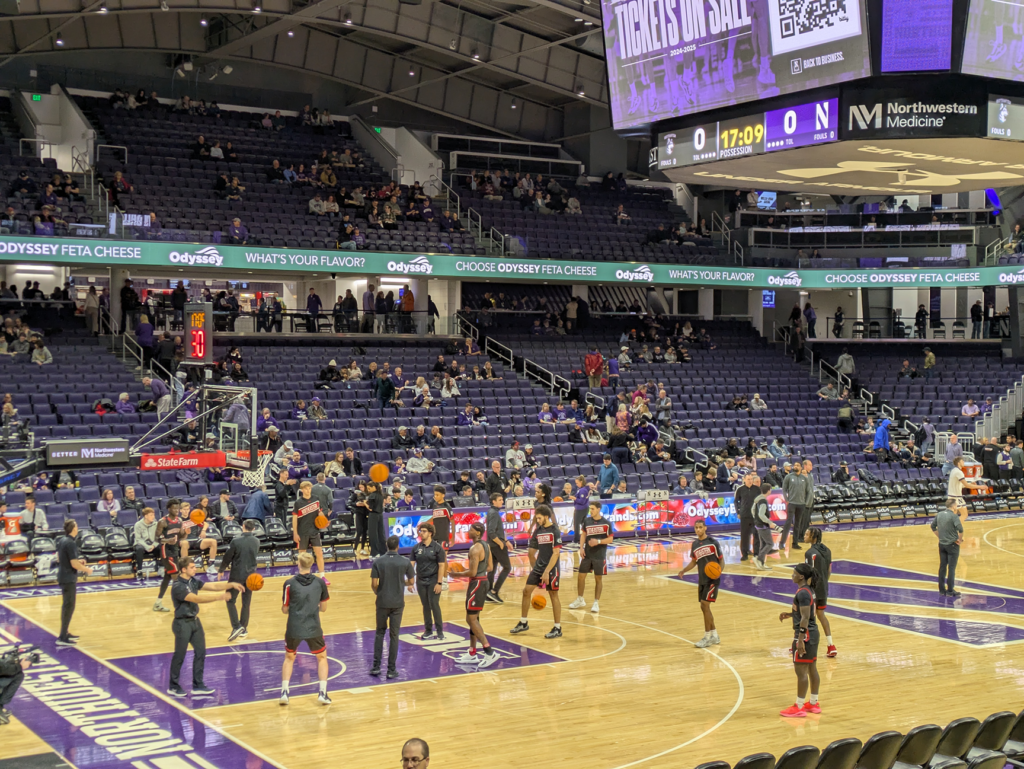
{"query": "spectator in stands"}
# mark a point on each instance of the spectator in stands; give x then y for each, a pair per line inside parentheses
(402, 440)
(161, 394)
(621, 218)
(23, 187)
(970, 409)
(417, 463)
(954, 451)
(828, 392)
(607, 477)
(41, 356)
(929, 363)
(275, 174)
(238, 234)
(779, 449)
(107, 504)
(124, 405)
(316, 205)
(977, 317)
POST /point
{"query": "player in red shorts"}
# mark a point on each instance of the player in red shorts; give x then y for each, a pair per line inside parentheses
(704, 550)
(805, 644)
(476, 592)
(546, 546)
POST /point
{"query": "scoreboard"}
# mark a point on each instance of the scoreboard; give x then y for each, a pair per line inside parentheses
(198, 332)
(801, 125)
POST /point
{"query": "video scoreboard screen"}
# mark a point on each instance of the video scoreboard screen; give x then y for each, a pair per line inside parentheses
(802, 125)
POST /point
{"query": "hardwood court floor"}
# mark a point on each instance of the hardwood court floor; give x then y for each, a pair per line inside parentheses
(632, 691)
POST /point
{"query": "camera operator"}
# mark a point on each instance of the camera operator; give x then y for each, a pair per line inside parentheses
(12, 673)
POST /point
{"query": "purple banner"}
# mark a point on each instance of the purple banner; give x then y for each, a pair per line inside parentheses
(802, 125)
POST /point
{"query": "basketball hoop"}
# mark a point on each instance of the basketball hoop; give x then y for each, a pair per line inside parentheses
(253, 478)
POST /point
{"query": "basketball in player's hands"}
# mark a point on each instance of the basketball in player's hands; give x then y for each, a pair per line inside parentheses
(321, 521)
(254, 582)
(713, 570)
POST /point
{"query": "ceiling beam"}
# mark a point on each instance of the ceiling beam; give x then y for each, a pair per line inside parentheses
(89, 7)
(282, 24)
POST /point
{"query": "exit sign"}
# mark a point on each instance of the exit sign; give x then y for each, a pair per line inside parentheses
(376, 129)
(37, 97)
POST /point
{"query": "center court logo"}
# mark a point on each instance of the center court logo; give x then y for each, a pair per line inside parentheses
(418, 266)
(208, 255)
(1012, 277)
(642, 273)
(789, 279)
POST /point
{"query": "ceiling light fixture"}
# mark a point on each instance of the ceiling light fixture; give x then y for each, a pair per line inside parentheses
(475, 54)
(348, 18)
(202, 21)
(103, 9)
(257, 8)
(164, 6)
(59, 41)
(579, 91)
(412, 72)
(514, 105)
(578, 20)
(227, 69)
(588, 24)
(291, 33)
(179, 72)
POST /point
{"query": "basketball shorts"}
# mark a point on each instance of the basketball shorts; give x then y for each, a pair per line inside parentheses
(475, 594)
(538, 572)
(315, 644)
(593, 564)
(708, 591)
(821, 599)
(308, 539)
(169, 555)
(810, 651)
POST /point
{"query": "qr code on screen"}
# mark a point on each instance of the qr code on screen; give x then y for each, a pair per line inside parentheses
(800, 24)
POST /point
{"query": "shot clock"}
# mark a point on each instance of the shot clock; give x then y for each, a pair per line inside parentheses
(198, 332)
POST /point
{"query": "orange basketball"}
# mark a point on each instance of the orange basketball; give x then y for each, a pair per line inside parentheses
(525, 515)
(379, 473)
(198, 517)
(321, 521)
(539, 601)
(254, 582)
(713, 570)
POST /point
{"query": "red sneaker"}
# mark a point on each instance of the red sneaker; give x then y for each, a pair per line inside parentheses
(793, 711)
(812, 707)
(831, 651)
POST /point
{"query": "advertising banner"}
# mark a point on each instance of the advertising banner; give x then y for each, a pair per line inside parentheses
(94, 451)
(113, 253)
(895, 113)
(992, 40)
(182, 461)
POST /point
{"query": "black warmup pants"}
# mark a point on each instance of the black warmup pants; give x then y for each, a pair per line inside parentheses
(431, 602)
(577, 522)
(803, 522)
(948, 557)
(362, 527)
(377, 535)
(748, 539)
(793, 517)
(188, 632)
(9, 687)
(388, 621)
(237, 622)
(68, 594)
(140, 556)
(499, 556)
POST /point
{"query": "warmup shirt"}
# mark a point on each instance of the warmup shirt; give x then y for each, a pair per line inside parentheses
(182, 587)
(595, 529)
(67, 551)
(805, 597)
(442, 520)
(168, 531)
(302, 595)
(306, 510)
(819, 558)
(427, 558)
(544, 541)
(956, 480)
(706, 551)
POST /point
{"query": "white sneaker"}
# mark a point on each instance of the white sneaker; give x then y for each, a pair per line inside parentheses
(595, 608)
(704, 643)
(579, 603)
(158, 606)
(444, 586)
(715, 639)
(467, 659)
(284, 698)
(486, 660)
(761, 566)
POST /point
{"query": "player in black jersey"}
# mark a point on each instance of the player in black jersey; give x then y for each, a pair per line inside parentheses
(303, 599)
(597, 535)
(819, 558)
(545, 547)
(704, 550)
(442, 520)
(805, 644)
(476, 592)
(171, 533)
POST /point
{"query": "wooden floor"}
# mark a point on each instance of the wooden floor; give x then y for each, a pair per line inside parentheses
(633, 690)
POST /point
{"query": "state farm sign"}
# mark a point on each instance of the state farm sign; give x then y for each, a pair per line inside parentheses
(182, 461)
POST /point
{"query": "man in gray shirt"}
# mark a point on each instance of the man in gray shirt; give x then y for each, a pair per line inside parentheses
(389, 576)
(950, 532)
(1017, 460)
(323, 494)
(798, 492)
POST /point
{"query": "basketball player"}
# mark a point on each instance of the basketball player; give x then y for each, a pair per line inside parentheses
(955, 491)
(169, 533)
(819, 558)
(442, 522)
(203, 542)
(304, 599)
(431, 562)
(304, 530)
(479, 563)
(544, 549)
(805, 644)
(240, 559)
(499, 545)
(188, 630)
(704, 550)
(597, 535)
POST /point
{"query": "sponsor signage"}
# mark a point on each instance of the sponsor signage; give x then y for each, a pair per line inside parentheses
(182, 461)
(78, 453)
(72, 252)
(897, 114)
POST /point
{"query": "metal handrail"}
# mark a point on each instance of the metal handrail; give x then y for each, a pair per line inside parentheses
(993, 248)
(841, 379)
(594, 400)
(43, 142)
(888, 412)
(737, 251)
(694, 454)
(498, 350)
(479, 223)
(780, 331)
(499, 237)
(718, 224)
(451, 196)
(543, 376)
(98, 147)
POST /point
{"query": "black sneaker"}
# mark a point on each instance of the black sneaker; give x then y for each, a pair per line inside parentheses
(66, 642)
(489, 597)
(795, 546)
(521, 627)
(428, 636)
(555, 632)
(74, 638)
(954, 594)
(392, 674)
(236, 633)
(744, 558)
(440, 636)
(375, 670)
(495, 597)
(203, 691)
(176, 691)
(943, 593)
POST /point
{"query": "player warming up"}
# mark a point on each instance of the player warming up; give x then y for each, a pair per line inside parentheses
(479, 565)
(304, 530)
(805, 644)
(544, 548)
(819, 558)
(597, 535)
(304, 600)
(170, 533)
(707, 555)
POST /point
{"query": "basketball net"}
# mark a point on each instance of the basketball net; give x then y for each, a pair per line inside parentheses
(254, 478)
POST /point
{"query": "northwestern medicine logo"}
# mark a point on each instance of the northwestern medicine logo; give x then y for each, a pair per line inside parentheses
(642, 273)
(208, 255)
(789, 279)
(1012, 277)
(418, 266)
(901, 115)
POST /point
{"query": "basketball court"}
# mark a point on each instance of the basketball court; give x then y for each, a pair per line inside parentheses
(621, 689)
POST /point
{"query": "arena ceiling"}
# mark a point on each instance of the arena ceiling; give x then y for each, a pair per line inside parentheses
(502, 65)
